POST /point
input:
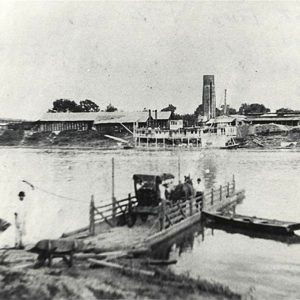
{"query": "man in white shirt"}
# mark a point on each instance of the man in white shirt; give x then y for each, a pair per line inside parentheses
(199, 189)
(20, 215)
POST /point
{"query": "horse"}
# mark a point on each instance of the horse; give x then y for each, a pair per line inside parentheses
(182, 191)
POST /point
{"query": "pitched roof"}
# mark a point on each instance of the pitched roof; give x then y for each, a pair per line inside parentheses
(104, 117)
(221, 119)
(67, 117)
(132, 117)
(128, 117)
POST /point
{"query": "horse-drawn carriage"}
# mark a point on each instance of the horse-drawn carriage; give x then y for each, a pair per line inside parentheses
(148, 191)
(151, 189)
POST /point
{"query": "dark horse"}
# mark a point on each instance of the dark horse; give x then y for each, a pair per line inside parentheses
(182, 191)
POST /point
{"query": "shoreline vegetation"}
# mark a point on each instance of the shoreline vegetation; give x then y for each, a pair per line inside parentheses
(93, 140)
(18, 280)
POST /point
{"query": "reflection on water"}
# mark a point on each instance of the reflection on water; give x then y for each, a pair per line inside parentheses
(179, 244)
(270, 178)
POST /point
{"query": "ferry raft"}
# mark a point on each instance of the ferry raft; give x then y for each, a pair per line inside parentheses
(146, 219)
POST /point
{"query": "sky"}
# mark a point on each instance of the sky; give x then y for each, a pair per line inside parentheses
(143, 54)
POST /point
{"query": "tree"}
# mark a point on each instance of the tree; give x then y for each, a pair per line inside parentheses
(65, 105)
(110, 108)
(284, 111)
(253, 108)
(189, 119)
(89, 106)
(199, 110)
(171, 108)
(229, 110)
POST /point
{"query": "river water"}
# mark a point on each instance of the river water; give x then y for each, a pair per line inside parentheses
(64, 180)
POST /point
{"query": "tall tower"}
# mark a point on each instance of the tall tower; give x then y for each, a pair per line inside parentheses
(209, 97)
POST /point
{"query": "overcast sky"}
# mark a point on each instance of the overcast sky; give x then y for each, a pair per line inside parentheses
(147, 54)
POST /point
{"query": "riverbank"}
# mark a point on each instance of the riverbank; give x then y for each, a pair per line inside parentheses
(19, 280)
(93, 140)
(64, 139)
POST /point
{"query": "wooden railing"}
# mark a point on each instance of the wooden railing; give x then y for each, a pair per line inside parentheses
(210, 197)
(172, 213)
(110, 212)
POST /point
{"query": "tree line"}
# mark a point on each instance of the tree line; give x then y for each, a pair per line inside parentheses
(66, 105)
(244, 109)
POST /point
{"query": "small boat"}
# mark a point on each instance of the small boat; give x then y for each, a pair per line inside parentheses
(252, 223)
(231, 144)
(3, 225)
(288, 145)
(289, 239)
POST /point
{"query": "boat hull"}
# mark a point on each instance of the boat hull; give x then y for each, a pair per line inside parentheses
(253, 223)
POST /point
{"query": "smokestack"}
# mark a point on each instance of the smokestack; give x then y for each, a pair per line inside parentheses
(209, 97)
(155, 115)
(149, 113)
(225, 104)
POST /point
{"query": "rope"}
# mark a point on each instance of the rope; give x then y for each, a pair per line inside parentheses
(34, 187)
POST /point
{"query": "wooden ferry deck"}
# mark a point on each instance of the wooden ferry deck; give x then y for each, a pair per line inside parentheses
(108, 229)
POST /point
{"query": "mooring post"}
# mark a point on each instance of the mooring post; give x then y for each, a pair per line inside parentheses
(92, 216)
(113, 190)
(212, 196)
(220, 192)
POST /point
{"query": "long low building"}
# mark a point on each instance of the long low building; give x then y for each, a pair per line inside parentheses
(128, 120)
(103, 121)
(66, 121)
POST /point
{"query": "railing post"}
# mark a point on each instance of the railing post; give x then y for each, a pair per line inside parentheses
(113, 190)
(233, 183)
(92, 216)
(114, 210)
(220, 192)
(191, 205)
(129, 204)
(212, 196)
(163, 215)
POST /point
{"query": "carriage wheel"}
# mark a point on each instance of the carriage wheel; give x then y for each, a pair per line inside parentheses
(130, 220)
(144, 217)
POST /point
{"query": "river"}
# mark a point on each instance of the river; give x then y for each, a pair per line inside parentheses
(64, 180)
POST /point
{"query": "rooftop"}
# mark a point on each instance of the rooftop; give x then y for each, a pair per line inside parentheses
(102, 117)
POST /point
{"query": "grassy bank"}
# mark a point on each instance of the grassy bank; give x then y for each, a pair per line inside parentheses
(21, 281)
(81, 139)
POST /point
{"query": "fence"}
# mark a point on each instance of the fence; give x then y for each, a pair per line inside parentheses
(110, 212)
(176, 212)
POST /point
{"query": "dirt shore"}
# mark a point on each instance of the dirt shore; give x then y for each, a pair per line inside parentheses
(19, 280)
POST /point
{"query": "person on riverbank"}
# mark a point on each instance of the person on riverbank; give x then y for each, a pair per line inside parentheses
(199, 189)
(20, 215)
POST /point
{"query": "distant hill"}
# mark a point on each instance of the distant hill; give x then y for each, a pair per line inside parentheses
(11, 120)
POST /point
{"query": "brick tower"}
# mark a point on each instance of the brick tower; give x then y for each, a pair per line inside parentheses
(209, 97)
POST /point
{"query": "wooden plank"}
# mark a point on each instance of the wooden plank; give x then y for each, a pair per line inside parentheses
(160, 261)
(104, 217)
(172, 230)
(174, 214)
(177, 219)
(120, 267)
